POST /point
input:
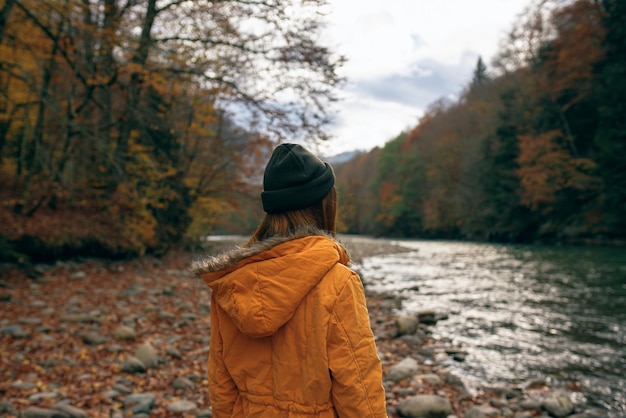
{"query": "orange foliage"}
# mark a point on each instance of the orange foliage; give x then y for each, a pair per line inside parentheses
(576, 50)
(546, 168)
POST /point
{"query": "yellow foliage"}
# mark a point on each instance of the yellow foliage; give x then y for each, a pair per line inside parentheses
(204, 215)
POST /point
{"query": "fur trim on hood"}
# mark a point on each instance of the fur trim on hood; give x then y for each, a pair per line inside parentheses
(230, 258)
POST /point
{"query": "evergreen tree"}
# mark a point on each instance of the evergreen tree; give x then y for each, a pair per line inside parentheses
(480, 73)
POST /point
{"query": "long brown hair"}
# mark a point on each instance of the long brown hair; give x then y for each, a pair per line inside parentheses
(321, 215)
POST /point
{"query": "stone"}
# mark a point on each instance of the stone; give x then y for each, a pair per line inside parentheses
(132, 364)
(182, 383)
(427, 317)
(78, 275)
(558, 404)
(121, 388)
(534, 383)
(452, 379)
(204, 413)
(405, 368)
(425, 406)
(406, 325)
(147, 354)
(482, 411)
(412, 339)
(124, 332)
(8, 408)
(79, 317)
(69, 410)
(111, 394)
(180, 406)
(173, 352)
(431, 379)
(115, 348)
(30, 321)
(43, 395)
(165, 315)
(93, 338)
(36, 412)
(15, 331)
(21, 385)
(530, 403)
(139, 403)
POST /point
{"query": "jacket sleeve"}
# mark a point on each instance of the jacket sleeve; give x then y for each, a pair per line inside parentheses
(357, 389)
(222, 389)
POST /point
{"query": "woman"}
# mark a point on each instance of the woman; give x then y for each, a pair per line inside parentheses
(290, 331)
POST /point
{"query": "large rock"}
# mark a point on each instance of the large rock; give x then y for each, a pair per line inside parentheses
(406, 325)
(147, 354)
(406, 368)
(425, 406)
(558, 404)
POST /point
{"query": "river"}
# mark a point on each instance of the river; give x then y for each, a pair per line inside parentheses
(520, 312)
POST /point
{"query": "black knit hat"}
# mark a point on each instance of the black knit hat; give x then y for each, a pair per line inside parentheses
(295, 179)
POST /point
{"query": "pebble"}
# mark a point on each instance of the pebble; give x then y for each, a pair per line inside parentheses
(406, 325)
(139, 403)
(43, 395)
(420, 406)
(36, 412)
(124, 332)
(173, 352)
(71, 411)
(558, 404)
(79, 317)
(182, 383)
(38, 304)
(15, 331)
(93, 338)
(121, 388)
(21, 385)
(181, 406)
(132, 364)
(431, 379)
(147, 354)
(405, 368)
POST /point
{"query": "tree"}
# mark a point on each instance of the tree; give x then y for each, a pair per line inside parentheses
(124, 111)
(610, 141)
(480, 75)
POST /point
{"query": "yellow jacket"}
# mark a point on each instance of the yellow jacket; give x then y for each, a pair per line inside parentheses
(290, 332)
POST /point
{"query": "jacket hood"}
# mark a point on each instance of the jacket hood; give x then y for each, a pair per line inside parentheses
(261, 285)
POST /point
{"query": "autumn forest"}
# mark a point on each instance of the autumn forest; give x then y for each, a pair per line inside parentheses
(534, 150)
(120, 129)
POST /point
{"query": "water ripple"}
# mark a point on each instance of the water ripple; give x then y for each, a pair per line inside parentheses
(520, 311)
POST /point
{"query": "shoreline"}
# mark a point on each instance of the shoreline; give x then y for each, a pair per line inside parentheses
(73, 331)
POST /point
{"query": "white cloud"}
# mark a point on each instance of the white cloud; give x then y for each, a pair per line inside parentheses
(403, 55)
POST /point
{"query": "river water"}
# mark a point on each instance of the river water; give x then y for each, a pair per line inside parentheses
(520, 312)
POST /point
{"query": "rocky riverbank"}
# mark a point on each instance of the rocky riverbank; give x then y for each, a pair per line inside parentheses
(113, 339)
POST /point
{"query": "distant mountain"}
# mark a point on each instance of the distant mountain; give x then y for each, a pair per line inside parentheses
(343, 157)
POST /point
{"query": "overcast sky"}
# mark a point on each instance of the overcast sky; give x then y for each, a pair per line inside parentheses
(405, 54)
